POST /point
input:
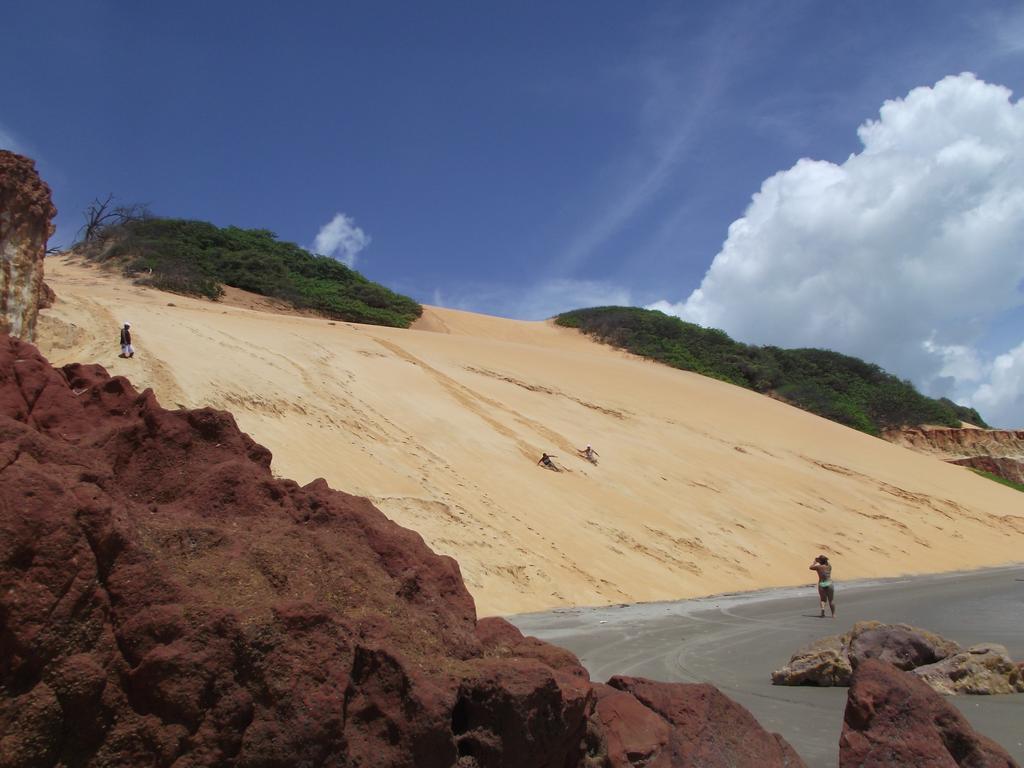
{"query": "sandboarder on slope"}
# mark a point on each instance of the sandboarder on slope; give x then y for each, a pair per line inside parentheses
(589, 454)
(547, 463)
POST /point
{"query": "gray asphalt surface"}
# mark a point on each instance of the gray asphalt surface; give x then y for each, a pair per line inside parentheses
(735, 641)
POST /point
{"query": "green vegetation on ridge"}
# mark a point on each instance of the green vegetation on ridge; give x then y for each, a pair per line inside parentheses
(1001, 480)
(837, 387)
(198, 258)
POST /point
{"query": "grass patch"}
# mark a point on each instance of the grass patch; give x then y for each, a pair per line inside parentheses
(1001, 480)
(198, 258)
(838, 387)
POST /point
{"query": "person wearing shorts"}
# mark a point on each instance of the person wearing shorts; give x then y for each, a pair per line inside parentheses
(826, 589)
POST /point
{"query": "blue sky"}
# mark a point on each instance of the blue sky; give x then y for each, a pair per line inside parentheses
(518, 159)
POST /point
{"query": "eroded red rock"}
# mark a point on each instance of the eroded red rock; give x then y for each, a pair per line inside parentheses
(700, 726)
(894, 719)
(997, 451)
(1011, 469)
(25, 215)
(165, 600)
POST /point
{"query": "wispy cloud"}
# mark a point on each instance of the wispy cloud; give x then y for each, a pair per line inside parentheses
(539, 301)
(1006, 30)
(675, 109)
(341, 239)
(7, 140)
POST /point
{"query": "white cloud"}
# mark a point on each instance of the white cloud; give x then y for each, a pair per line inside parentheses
(1000, 399)
(341, 239)
(904, 254)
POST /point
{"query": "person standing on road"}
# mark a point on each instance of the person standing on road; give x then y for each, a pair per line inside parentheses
(826, 590)
(127, 350)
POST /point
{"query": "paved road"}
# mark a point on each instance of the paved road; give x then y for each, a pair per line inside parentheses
(736, 641)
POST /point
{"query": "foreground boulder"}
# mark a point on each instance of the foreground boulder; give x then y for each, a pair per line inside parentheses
(903, 646)
(656, 724)
(25, 214)
(825, 663)
(164, 600)
(946, 667)
(831, 660)
(893, 719)
(985, 668)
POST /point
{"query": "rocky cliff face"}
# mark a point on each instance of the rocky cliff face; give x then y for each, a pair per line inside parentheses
(25, 215)
(165, 600)
(1006, 468)
(999, 451)
(960, 443)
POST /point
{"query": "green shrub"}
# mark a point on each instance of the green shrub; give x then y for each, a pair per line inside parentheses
(838, 387)
(1001, 480)
(198, 258)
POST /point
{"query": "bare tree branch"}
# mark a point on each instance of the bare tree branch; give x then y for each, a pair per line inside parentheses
(100, 216)
(96, 215)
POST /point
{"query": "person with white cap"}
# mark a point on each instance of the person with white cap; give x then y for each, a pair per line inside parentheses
(588, 453)
(127, 350)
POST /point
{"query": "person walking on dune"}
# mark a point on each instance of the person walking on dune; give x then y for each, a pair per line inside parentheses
(588, 453)
(127, 350)
(826, 590)
(547, 463)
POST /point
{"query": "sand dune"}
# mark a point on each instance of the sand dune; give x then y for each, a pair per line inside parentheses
(702, 487)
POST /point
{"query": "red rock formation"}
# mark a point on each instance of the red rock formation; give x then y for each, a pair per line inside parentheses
(165, 600)
(46, 296)
(893, 719)
(1006, 468)
(998, 451)
(663, 724)
(25, 214)
(950, 443)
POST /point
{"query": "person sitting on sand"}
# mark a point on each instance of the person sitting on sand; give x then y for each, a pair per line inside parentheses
(547, 463)
(826, 591)
(588, 453)
(127, 350)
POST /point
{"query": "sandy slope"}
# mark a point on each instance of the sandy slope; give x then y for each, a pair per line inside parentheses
(702, 486)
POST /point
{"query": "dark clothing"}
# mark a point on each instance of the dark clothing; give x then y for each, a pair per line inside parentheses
(126, 336)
